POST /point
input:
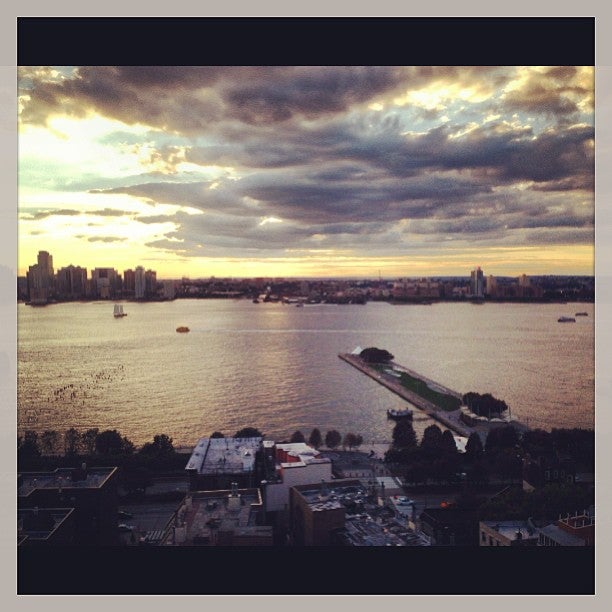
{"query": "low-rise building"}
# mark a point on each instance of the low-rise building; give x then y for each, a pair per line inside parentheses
(507, 533)
(46, 527)
(216, 463)
(92, 492)
(219, 518)
(577, 530)
(449, 526)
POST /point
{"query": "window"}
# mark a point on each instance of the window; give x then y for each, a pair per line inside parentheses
(483, 536)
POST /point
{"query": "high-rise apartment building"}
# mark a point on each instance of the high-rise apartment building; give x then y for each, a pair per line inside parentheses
(129, 283)
(105, 283)
(477, 283)
(71, 282)
(139, 283)
(40, 279)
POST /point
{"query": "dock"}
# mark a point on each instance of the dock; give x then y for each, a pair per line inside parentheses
(450, 419)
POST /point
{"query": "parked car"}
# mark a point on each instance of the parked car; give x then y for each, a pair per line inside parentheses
(123, 528)
(122, 514)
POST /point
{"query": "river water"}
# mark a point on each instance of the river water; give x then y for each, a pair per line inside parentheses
(276, 367)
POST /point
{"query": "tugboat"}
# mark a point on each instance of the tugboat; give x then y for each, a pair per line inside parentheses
(566, 320)
(182, 329)
(399, 414)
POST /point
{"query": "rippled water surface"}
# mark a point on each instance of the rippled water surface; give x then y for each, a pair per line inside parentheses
(276, 367)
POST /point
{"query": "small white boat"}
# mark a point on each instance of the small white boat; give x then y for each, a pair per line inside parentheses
(118, 311)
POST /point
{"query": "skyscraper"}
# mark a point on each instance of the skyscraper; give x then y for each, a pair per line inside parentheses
(139, 283)
(477, 283)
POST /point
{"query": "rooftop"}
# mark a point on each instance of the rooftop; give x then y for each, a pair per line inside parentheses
(39, 524)
(203, 514)
(560, 536)
(224, 455)
(63, 478)
(512, 529)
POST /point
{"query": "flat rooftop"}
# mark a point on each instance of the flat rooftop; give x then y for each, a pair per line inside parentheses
(224, 455)
(203, 512)
(511, 529)
(363, 530)
(94, 478)
(39, 524)
(334, 495)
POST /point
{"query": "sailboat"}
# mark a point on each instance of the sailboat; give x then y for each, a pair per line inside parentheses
(118, 311)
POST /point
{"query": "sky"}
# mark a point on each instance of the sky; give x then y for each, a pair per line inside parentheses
(308, 171)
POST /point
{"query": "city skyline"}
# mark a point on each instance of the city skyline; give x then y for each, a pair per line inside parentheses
(309, 172)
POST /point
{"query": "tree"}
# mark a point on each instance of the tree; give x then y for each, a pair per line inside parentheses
(72, 441)
(500, 438)
(248, 432)
(349, 440)
(474, 448)
(28, 446)
(297, 436)
(431, 443)
(217, 434)
(448, 446)
(316, 439)
(375, 355)
(332, 438)
(403, 435)
(358, 441)
(49, 442)
(88, 440)
(160, 447)
(109, 442)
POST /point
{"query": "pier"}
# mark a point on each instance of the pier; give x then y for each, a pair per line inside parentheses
(448, 418)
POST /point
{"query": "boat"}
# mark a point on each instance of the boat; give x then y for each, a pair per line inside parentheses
(182, 329)
(299, 305)
(255, 301)
(566, 320)
(118, 311)
(399, 414)
(582, 314)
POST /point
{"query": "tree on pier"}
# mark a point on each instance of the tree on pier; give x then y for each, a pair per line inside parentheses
(376, 355)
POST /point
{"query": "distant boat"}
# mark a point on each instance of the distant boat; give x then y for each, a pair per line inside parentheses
(118, 311)
(255, 301)
(582, 314)
(566, 320)
(299, 305)
(182, 329)
(399, 414)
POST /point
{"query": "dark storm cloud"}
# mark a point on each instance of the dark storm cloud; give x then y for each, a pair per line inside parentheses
(187, 98)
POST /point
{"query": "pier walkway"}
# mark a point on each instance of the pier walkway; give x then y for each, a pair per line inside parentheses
(450, 419)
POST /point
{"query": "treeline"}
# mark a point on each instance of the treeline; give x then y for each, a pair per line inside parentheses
(502, 455)
(484, 405)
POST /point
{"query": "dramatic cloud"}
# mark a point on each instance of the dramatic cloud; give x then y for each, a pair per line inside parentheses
(245, 162)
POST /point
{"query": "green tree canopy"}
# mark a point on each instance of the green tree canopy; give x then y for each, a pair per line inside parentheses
(376, 355)
(217, 434)
(49, 442)
(500, 438)
(431, 443)
(88, 440)
(72, 441)
(160, 447)
(315, 439)
(110, 442)
(248, 432)
(297, 436)
(403, 435)
(350, 440)
(332, 438)
(473, 447)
